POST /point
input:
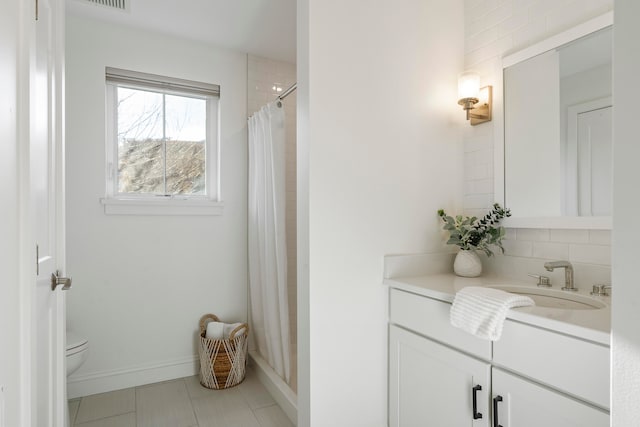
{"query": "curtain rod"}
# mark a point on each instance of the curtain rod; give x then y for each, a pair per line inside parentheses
(288, 91)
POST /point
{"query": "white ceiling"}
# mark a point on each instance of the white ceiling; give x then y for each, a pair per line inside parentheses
(261, 27)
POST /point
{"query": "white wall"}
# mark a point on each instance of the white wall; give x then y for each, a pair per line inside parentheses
(492, 30)
(626, 205)
(141, 283)
(379, 122)
(9, 222)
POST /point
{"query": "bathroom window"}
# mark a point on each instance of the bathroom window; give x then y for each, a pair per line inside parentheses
(162, 145)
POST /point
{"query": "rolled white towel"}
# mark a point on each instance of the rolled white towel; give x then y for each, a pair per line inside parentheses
(215, 331)
(228, 328)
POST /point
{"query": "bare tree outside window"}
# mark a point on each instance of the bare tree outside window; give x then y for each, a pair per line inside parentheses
(161, 143)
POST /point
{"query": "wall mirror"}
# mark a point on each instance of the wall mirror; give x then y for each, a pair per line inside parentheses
(557, 150)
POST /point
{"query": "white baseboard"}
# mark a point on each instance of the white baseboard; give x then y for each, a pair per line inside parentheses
(118, 379)
(277, 388)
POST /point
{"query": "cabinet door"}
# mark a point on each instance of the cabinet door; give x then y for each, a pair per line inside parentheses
(432, 385)
(526, 404)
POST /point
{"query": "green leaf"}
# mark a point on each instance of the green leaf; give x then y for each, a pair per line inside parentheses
(473, 233)
(454, 241)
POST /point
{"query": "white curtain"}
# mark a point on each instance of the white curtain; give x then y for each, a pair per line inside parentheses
(267, 240)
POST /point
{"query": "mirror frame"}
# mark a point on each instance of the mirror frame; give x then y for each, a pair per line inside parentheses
(559, 222)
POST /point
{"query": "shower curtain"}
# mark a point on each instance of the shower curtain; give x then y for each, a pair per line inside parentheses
(267, 240)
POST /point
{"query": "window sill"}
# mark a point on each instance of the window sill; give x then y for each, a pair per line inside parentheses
(161, 207)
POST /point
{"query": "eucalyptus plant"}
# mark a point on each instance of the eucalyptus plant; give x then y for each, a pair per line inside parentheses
(471, 233)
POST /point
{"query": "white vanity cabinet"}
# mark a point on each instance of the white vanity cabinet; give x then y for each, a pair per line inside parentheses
(533, 377)
(433, 385)
(518, 402)
(577, 367)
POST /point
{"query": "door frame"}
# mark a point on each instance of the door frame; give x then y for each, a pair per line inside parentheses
(27, 252)
(61, 416)
(26, 245)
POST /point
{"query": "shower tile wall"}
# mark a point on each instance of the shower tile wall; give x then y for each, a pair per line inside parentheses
(263, 75)
(492, 29)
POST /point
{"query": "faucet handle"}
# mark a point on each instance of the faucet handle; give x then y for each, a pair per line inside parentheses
(543, 281)
(601, 290)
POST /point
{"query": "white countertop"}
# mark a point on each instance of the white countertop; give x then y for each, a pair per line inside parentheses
(591, 325)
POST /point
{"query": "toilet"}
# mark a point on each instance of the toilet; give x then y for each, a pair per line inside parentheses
(77, 350)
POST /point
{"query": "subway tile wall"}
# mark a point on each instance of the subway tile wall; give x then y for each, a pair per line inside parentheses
(494, 28)
(579, 246)
(264, 77)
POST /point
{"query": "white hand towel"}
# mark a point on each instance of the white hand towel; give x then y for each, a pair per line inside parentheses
(215, 331)
(230, 327)
(481, 311)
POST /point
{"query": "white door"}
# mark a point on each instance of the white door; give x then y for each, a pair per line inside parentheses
(595, 162)
(46, 208)
(433, 385)
(521, 403)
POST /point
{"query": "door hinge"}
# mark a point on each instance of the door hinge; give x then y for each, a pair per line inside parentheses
(37, 10)
(37, 260)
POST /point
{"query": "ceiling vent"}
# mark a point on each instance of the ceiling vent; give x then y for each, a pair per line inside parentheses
(115, 4)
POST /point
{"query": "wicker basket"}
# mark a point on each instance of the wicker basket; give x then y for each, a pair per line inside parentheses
(222, 362)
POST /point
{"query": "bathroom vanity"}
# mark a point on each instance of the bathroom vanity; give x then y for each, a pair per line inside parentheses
(549, 368)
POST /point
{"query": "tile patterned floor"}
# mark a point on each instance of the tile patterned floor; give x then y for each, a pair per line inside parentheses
(180, 403)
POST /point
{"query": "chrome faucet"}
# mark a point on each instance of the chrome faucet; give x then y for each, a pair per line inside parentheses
(568, 273)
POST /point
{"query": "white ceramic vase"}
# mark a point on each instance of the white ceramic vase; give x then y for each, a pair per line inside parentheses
(467, 264)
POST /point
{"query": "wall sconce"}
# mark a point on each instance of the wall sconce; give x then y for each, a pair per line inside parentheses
(476, 101)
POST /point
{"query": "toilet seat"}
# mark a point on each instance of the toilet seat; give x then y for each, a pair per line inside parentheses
(75, 343)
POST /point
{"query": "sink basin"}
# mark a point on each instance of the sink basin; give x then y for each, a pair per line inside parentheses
(552, 298)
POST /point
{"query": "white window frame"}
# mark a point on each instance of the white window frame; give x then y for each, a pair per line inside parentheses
(160, 204)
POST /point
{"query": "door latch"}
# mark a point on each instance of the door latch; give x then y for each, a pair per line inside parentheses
(57, 280)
